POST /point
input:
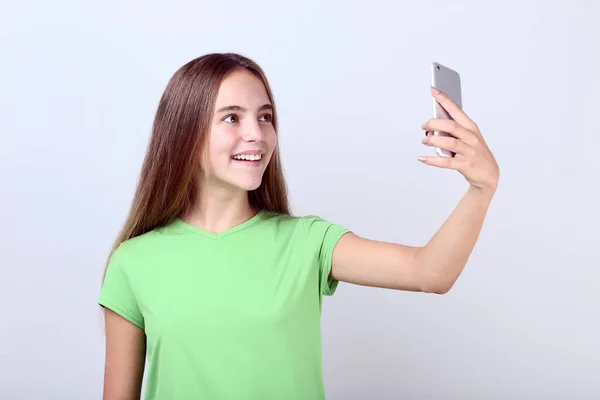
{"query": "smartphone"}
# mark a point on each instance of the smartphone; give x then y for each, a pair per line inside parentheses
(448, 81)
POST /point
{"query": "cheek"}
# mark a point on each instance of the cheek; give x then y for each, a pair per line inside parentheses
(271, 140)
(220, 149)
(209, 159)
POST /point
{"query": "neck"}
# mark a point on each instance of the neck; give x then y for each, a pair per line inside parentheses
(218, 210)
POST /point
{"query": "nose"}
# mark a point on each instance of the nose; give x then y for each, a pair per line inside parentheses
(253, 132)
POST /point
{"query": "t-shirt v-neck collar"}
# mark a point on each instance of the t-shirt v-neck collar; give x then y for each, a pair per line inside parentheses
(212, 235)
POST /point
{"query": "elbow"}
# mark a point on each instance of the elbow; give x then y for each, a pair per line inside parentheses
(442, 289)
(433, 280)
(437, 286)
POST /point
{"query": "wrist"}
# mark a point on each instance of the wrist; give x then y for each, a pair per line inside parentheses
(483, 194)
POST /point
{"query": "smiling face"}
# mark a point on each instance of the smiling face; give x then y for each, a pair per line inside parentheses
(242, 138)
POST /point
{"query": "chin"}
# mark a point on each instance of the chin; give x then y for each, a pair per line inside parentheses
(249, 185)
(244, 180)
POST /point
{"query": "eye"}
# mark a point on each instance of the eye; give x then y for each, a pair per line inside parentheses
(230, 119)
(266, 118)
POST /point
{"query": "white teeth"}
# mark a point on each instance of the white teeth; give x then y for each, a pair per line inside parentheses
(248, 157)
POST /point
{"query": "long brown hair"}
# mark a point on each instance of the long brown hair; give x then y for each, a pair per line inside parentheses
(167, 188)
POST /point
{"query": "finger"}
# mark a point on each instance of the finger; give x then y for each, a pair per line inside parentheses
(449, 143)
(453, 109)
(441, 162)
(451, 127)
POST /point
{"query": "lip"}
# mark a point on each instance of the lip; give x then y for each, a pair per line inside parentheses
(249, 153)
(248, 163)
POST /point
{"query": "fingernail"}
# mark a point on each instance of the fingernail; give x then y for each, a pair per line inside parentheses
(434, 90)
(422, 159)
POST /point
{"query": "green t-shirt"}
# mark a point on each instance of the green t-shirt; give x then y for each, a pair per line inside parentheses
(234, 315)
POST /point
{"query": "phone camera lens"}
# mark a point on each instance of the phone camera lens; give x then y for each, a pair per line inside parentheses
(438, 67)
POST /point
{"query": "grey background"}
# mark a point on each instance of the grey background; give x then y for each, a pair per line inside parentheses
(80, 82)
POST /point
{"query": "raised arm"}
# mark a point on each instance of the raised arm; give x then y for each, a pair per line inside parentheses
(435, 267)
(125, 358)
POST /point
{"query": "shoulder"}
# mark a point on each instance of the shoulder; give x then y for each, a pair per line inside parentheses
(143, 242)
(311, 229)
(140, 249)
(318, 228)
(305, 223)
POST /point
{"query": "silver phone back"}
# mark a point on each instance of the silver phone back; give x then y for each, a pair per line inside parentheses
(448, 81)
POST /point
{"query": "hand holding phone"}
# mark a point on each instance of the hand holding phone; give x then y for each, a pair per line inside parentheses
(448, 81)
(463, 148)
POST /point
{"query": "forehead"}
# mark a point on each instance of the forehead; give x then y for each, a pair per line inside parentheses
(241, 88)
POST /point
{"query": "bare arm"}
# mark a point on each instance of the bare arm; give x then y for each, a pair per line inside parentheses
(379, 264)
(448, 251)
(125, 358)
(435, 267)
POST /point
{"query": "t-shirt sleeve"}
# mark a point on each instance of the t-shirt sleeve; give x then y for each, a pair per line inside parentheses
(323, 236)
(116, 293)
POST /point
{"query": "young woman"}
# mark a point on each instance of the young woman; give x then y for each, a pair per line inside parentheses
(211, 277)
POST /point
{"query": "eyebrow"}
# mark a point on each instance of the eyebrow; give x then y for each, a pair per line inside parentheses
(242, 109)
